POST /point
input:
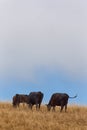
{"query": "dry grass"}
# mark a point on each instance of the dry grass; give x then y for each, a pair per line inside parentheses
(24, 119)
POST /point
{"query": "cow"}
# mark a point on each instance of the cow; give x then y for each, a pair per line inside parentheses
(59, 99)
(35, 98)
(19, 98)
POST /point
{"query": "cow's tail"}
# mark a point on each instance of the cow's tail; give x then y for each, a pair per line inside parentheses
(74, 96)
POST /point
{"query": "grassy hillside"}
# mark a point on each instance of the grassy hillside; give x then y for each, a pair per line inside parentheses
(24, 119)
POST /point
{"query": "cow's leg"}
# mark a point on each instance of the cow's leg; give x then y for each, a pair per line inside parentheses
(18, 104)
(37, 106)
(14, 105)
(30, 106)
(65, 107)
(61, 108)
(23, 104)
(53, 108)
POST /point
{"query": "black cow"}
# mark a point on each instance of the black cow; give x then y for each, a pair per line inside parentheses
(59, 99)
(35, 98)
(19, 98)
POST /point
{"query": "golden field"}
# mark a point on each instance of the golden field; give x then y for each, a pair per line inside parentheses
(24, 119)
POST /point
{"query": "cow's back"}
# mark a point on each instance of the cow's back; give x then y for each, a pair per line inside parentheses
(58, 98)
(35, 97)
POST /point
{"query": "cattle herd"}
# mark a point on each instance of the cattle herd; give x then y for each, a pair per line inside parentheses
(35, 98)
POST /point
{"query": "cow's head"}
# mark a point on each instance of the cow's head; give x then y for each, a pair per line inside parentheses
(48, 107)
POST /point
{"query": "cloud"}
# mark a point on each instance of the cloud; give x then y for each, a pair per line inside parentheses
(43, 33)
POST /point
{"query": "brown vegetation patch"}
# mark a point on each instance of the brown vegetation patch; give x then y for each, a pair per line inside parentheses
(24, 119)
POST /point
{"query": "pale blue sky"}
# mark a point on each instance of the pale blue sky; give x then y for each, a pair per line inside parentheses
(43, 46)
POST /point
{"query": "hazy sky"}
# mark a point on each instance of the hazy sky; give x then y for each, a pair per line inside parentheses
(43, 43)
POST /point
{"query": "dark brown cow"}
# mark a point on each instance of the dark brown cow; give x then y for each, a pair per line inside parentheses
(19, 98)
(59, 99)
(35, 98)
